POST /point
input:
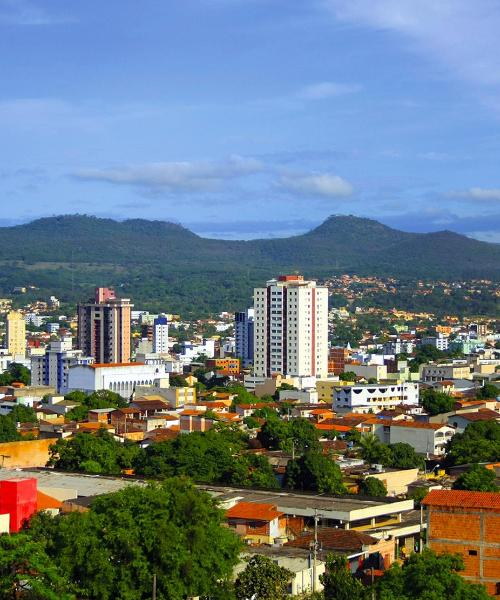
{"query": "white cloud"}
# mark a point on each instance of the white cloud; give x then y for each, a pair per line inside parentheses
(461, 34)
(323, 184)
(327, 89)
(25, 12)
(478, 193)
(192, 176)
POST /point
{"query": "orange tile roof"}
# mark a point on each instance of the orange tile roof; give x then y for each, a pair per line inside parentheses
(108, 365)
(193, 413)
(463, 499)
(44, 501)
(322, 411)
(332, 427)
(253, 511)
(416, 424)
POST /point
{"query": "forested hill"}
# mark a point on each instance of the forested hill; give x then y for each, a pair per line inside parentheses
(160, 262)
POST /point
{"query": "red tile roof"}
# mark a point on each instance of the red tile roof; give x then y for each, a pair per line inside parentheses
(253, 511)
(463, 499)
(336, 539)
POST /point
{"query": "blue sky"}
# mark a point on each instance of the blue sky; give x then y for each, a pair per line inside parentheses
(246, 118)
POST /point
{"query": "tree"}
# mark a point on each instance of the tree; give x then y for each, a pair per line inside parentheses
(405, 457)
(374, 452)
(487, 392)
(263, 579)
(112, 551)
(435, 402)
(8, 430)
(477, 478)
(177, 381)
(428, 576)
(371, 486)
(15, 373)
(297, 435)
(348, 376)
(338, 581)
(99, 399)
(480, 442)
(251, 470)
(27, 572)
(316, 472)
(93, 453)
(23, 414)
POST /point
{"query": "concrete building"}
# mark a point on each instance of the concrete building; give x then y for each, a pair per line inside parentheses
(440, 341)
(467, 523)
(160, 335)
(369, 371)
(244, 333)
(121, 378)
(291, 328)
(104, 328)
(52, 367)
(447, 371)
(425, 438)
(368, 397)
(16, 334)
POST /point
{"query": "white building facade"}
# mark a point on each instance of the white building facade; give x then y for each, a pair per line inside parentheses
(119, 378)
(160, 335)
(366, 398)
(291, 328)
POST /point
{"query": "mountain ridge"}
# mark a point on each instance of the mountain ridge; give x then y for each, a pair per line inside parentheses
(67, 255)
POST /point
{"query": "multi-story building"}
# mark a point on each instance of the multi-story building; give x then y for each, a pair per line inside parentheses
(425, 438)
(104, 328)
(16, 334)
(442, 372)
(467, 523)
(291, 328)
(52, 367)
(369, 397)
(224, 366)
(440, 341)
(244, 333)
(337, 357)
(160, 335)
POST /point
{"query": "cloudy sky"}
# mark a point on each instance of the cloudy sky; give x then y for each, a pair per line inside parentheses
(246, 118)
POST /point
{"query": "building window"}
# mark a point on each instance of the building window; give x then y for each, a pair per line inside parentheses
(472, 552)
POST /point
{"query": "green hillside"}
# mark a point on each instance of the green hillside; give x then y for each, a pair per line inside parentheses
(164, 265)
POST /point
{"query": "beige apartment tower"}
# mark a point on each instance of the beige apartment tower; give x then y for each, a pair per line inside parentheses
(16, 333)
(291, 328)
(104, 328)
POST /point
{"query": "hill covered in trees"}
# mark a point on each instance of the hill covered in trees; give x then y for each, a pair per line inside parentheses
(164, 265)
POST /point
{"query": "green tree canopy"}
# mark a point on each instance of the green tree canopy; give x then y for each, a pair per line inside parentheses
(112, 551)
(15, 373)
(371, 486)
(477, 478)
(488, 392)
(263, 579)
(428, 576)
(339, 583)
(99, 399)
(435, 402)
(405, 457)
(480, 442)
(347, 376)
(28, 573)
(298, 435)
(316, 472)
(93, 453)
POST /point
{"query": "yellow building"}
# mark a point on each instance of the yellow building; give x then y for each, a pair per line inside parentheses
(16, 333)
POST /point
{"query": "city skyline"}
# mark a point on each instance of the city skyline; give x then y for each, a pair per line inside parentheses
(252, 118)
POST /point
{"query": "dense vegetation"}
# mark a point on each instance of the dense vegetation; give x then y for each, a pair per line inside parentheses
(191, 275)
(171, 530)
(480, 442)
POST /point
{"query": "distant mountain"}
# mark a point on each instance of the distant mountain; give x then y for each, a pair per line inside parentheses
(157, 262)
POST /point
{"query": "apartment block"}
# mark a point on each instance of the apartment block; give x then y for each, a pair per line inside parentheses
(243, 334)
(374, 397)
(16, 334)
(291, 328)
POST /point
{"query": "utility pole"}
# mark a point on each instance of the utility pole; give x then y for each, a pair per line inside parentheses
(315, 548)
(154, 586)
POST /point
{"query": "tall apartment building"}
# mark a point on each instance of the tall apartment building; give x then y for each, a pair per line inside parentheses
(52, 368)
(243, 335)
(104, 328)
(16, 334)
(160, 334)
(291, 328)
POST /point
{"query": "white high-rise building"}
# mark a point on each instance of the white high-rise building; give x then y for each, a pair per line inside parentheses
(160, 335)
(291, 328)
